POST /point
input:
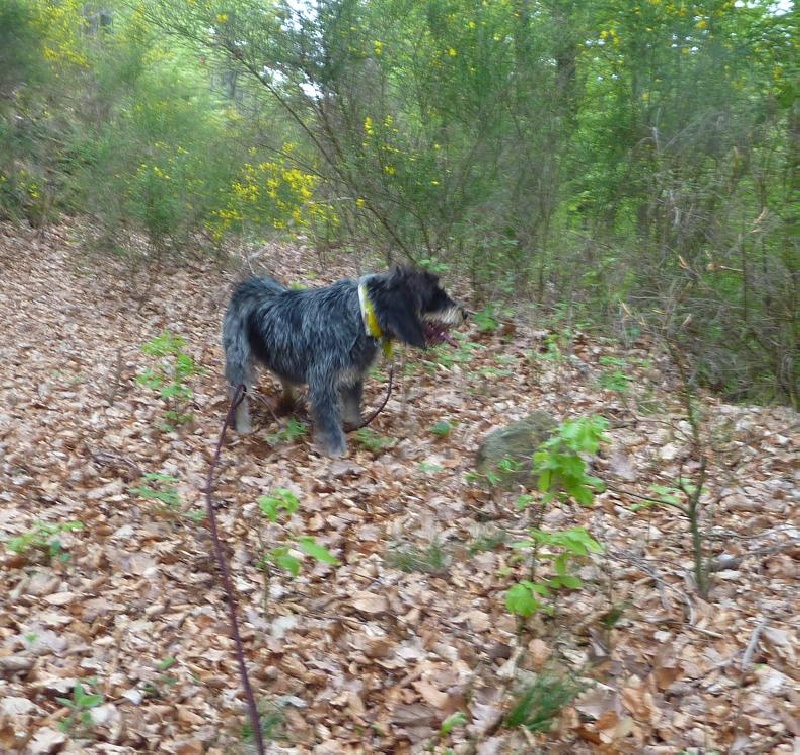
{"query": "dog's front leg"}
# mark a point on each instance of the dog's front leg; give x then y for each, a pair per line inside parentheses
(351, 403)
(241, 418)
(327, 420)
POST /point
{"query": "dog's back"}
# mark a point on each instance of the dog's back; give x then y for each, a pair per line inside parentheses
(295, 331)
(250, 295)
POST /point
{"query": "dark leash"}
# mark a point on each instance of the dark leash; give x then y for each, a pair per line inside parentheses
(239, 394)
(385, 400)
(225, 572)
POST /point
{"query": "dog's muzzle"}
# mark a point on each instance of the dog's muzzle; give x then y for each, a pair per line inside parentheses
(436, 327)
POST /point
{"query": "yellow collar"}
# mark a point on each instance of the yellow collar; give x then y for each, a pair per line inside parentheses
(371, 319)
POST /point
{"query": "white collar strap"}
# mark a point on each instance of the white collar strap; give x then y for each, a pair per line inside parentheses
(370, 319)
(367, 308)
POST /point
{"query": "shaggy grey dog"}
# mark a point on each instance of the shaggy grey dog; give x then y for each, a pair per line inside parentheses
(329, 337)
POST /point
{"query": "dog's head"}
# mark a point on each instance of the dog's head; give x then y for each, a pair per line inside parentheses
(412, 307)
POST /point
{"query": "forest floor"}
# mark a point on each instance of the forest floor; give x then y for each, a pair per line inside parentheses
(126, 619)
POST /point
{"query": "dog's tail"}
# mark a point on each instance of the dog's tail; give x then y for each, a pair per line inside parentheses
(246, 299)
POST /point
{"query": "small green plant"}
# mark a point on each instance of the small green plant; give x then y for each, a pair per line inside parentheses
(287, 551)
(453, 721)
(293, 431)
(492, 476)
(442, 428)
(486, 543)
(560, 550)
(156, 486)
(156, 689)
(169, 376)
(43, 540)
(558, 464)
(447, 356)
(614, 378)
(272, 721)
(506, 467)
(490, 372)
(562, 475)
(552, 351)
(373, 441)
(486, 320)
(459, 718)
(610, 361)
(685, 497)
(427, 467)
(540, 702)
(287, 555)
(280, 501)
(430, 560)
(80, 705)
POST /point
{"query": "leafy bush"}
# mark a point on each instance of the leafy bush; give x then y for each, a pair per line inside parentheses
(79, 721)
(43, 540)
(169, 376)
(278, 505)
(562, 474)
(540, 702)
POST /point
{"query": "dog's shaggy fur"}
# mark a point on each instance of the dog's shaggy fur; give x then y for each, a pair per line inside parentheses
(329, 337)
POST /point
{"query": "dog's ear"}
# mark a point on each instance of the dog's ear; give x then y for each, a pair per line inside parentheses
(401, 320)
(398, 308)
(407, 328)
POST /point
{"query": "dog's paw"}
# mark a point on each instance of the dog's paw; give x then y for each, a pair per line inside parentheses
(334, 448)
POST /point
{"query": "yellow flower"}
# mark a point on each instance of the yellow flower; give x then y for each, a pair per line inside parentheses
(222, 18)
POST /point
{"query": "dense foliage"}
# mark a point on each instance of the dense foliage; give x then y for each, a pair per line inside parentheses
(628, 165)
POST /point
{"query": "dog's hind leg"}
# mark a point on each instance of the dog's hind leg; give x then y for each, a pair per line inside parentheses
(242, 376)
(327, 420)
(239, 368)
(351, 403)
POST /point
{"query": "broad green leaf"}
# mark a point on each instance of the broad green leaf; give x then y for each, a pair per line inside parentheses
(454, 719)
(521, 601)
(312, 548)
(288, 562)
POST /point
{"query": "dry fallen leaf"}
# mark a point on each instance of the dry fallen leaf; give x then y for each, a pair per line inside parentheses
(46, 740)
(370, 603)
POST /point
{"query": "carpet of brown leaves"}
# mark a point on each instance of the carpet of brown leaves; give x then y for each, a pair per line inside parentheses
(373, 654)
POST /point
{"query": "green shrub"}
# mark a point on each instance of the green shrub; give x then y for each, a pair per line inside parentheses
(540, 702)
(169, 376)
(43, 540)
